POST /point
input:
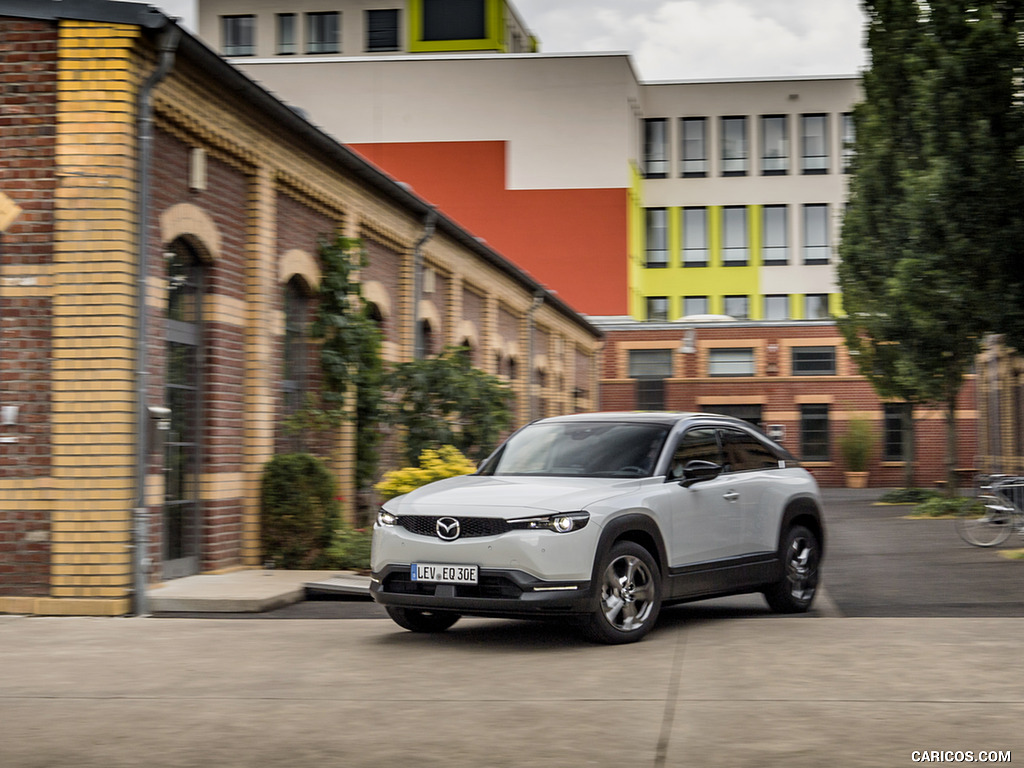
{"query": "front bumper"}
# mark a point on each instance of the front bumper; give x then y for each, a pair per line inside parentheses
(500, 592)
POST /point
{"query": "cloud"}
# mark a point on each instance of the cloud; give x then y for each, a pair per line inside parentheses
(705, 39)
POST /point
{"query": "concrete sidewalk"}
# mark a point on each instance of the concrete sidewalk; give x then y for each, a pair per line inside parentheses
(250, 590)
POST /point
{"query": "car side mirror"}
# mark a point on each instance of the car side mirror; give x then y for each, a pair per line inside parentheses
(697, 471)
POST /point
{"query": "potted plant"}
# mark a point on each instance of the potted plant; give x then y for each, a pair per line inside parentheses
(856, 446)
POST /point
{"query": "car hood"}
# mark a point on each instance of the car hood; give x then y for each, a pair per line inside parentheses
(495, 496)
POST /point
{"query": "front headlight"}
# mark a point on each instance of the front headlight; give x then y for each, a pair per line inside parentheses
(563, 522)
(386, 518)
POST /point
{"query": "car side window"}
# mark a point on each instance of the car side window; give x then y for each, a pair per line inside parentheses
(697, 444)
(744, 452)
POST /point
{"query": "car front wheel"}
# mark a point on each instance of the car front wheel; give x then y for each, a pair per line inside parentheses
(630, 595)
(801, 556)
(422, 621)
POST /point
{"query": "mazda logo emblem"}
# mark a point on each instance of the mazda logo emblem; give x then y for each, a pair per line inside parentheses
(448, 528)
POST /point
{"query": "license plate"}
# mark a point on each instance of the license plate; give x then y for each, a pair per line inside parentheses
(449, 574)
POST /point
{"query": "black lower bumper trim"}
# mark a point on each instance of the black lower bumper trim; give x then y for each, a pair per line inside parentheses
(498, 593)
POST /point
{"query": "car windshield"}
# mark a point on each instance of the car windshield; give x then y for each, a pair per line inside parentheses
(591, 449)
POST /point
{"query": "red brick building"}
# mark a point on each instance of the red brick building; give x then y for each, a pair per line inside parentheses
(795, 380)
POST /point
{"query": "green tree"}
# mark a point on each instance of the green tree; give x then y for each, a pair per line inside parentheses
(350, 352)
(444, 400)
(933, 195)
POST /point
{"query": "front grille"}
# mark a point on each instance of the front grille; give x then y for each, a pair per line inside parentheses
(425, 525)
(489, 587)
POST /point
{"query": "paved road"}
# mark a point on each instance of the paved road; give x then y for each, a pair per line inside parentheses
(879, 564)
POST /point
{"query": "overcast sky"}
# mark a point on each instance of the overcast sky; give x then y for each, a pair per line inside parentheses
(692, 39)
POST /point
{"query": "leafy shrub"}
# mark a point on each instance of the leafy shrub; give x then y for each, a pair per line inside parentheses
(299, 511)
(447, 461)
(350, 549)
(942, 506)
(909, 495)
(857, 444)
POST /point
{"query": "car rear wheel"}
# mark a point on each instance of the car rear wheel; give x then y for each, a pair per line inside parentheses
(422, 621)
(801, 556)
(630, 595)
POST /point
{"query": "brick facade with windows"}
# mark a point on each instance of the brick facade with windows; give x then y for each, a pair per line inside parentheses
(240, 190)
(781, 395)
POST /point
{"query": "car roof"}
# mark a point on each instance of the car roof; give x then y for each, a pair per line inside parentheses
(665, 418)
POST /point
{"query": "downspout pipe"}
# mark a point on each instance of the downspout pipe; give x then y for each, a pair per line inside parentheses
(531, 378)
(429, 224)
(167, 44)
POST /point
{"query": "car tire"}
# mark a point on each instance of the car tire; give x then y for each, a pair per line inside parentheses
(628, 595)
(422, 621)
(800, 555)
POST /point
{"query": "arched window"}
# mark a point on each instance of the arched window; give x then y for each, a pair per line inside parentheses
(294, 380)
(183, 383)
(426, 339)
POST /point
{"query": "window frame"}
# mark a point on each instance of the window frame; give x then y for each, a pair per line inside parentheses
(730, 250)
(813, 250)
(745, 314)
(652, 228)
(659, 315)
(380, 13)
(823, 298)
(780, 298)
(317, 37)
(814, 160)
(693, 166)
(651, 145)
(719, 369)
(768, 250)
(735, 165)
(287, 43)
(704, 308)
(232, 40)
(802, 362)
(822, 438)
(782, 160)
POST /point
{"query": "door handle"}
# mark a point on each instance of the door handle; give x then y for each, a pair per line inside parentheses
(730, 496)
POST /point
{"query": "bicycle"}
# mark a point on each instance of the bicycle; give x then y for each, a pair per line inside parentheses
(1001, 512)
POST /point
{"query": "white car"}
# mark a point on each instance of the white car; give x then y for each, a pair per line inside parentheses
(604, 517)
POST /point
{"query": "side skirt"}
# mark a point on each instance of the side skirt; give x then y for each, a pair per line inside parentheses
(750, 573)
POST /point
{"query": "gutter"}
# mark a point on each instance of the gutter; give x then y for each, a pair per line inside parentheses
(429, 224)
(531, 378)
(167, 44)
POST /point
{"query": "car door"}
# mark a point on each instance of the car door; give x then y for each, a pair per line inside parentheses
(753, 470)
(705, 518)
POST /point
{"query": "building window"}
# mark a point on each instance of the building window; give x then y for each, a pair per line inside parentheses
(814, 432)
(814, 361)
(454, 20)
(382, 30)
(734, 146)
(848, 141)
(695, 153)
(657, 237)
(293, 379)
(695, 237)
(737, 307)
(816, 306)
(814, 143)
(238, 35)
(748, 413)
(893, 447)
(650, 368)
(775, 235)
(657, 308)
(656, 148)
(774, 145)
(816, 247)
(323, 32)
(731, 362)
(286, 40)
(695, 305)
(776, 307)
(734, 236)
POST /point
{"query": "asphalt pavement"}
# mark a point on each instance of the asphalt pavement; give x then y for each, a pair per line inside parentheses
(720, 683)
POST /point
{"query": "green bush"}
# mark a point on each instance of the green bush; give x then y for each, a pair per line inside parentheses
(942, 506)
(299, 511)
(447, 461)
(909, 495)
(857, 444)
(350, 549)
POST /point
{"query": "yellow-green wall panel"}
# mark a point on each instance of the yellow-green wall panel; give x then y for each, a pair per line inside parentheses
(494, 24)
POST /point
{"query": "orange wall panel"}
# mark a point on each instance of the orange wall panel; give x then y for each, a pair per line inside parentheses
(571, 240)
